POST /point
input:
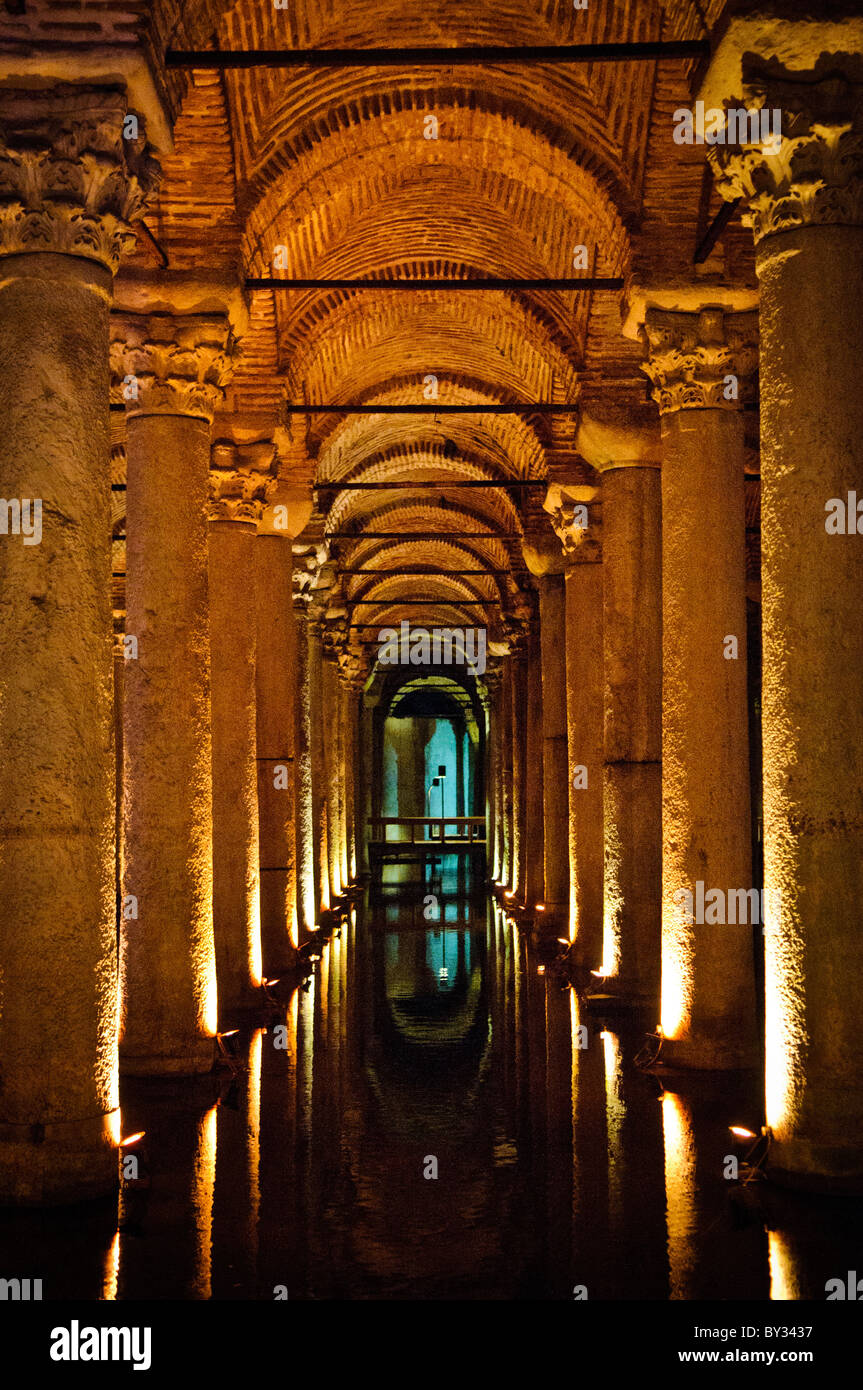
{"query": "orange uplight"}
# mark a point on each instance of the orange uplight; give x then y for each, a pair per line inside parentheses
(600, 974)
(539, 907)
(510, 893)
(564, 940)
(132, 1139)
(540, 970)
(232, 1033)
(741, 1132)
(270, 982)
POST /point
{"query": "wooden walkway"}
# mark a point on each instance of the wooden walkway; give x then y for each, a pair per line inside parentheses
(397, 837)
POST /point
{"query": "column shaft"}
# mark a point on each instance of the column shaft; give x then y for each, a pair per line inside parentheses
(584, 709)
(632, 793)
(58, 1101)
(277, 716)
(708, 981)
(169, 984)
(531, 886)
(236, 916)
(812, 440)
(552, 610)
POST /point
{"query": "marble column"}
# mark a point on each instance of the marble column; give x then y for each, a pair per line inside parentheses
(632, 620)
(805, 202)
(505, 737)
(70, 187)
(318, 765)
(306, 840)
(277, 713)
(552, 613)
(518, 740)
(576, 521)
(531, 735)
(237, 497)
(173, 367)
(701, 364)
(331, 769)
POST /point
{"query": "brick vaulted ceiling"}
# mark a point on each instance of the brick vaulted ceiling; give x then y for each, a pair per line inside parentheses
(332, 165)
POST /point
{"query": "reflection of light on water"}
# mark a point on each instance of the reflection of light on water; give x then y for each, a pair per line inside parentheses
(615, 1113)
(784, 1274)
(253, 1127)
(202, 1200)
(679, 1191)
(111, 1276)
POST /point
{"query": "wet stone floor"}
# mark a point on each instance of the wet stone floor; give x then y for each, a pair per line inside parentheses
(420, 1121)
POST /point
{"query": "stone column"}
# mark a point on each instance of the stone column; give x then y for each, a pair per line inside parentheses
(306, 840)
(552, 609)
(700, 364)
(505, 736)
(173, 368)
(531, 890)
(632, 619)
(493, 777)
(518, 737)
(277, 700)
(70, 186)
(237, 496)
(575, 518)
(318, 765)
(331, 769)
(806, 209)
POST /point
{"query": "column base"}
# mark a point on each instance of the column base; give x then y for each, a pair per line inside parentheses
(197, 1058)
(706, 1054)
(57, 1164)
(809, 1166)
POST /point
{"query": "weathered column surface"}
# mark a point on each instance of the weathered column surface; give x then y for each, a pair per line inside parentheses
(172, 368)
(237, 495)
(532, 888)
(575, 518)
(518, 736)
(700, 364)
(632, 619)
(805, 204)
(69, 188)
(306, 838)
(555, 781)
(277, 715)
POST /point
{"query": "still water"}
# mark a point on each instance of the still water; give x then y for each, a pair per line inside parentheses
(436, 1046)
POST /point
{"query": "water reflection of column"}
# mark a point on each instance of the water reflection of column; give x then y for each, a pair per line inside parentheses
(679, 1194)
(280, 1257)
(558, 1128)
(518, 694)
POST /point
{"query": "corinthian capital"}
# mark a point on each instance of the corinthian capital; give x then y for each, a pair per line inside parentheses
(166, 364)
(69, 180)
(240, 487)
(575, 521)
(700, 360)
(811, 172)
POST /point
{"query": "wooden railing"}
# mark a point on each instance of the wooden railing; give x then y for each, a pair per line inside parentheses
(438, 832)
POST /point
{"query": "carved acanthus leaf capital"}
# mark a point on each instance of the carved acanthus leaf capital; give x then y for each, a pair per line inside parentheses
(239, 490)
(575, 520)
(811, 174)
(166, 364)
(701, 360)
(70, 182)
